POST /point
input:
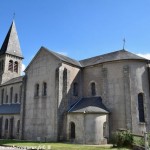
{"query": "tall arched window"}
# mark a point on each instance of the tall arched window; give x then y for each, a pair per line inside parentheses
(10, 67)
(2, 96)
(18, 126)
(2, 65)
(36, 90)
(44, 88)
(75, 89)
(141, 107)
(20, 93)
(11, 94)
(16, 98)
(16, 67)
(6, 98)
(6, 124)
(72, 130)
(93, 89)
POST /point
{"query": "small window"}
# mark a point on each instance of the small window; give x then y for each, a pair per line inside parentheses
(93, 89)
(16, 67)
(141, 107)
(11, 94)
(6, 124)
(36, 90)
(75, 89)
(16, 98)
(10, 67)
(44, 89)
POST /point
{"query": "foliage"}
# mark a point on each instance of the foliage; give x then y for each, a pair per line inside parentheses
(139, 141)
(123, 138)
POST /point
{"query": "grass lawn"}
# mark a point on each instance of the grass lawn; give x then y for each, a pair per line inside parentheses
(54, 146)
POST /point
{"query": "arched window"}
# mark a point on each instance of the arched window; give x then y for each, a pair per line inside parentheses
(10, 67)
(44, 88)
(2, 65)
(6, 124)
(36, 90)
(6, 98)
(141, 107)
(93, 89)
(16, 98)
(11, 94)
(2, 96)
(75, 89)
(72, 130)
(18, 126)
(16, 67)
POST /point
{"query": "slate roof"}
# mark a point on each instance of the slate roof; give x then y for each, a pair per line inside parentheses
(113, 56)
(14, 80)
(11, 43)
(89, 105)
(64, 58)
(10, 109)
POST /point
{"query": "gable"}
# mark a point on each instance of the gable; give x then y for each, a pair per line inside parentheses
(41, 58)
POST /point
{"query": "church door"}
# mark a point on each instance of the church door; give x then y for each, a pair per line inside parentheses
(72, 130)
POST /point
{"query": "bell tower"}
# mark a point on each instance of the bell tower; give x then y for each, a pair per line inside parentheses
(10, 56)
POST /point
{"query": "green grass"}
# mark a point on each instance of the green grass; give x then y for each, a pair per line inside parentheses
(54, 146)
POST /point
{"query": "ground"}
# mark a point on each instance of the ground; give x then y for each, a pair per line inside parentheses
(55, 146)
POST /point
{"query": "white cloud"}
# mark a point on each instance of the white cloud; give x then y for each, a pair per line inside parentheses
(147, 56)
(63, 53)
(23, 68)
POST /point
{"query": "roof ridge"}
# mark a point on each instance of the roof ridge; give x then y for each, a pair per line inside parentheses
(64, 58)
(112, 56)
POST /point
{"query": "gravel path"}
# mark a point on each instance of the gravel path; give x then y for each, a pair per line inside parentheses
(10, 148)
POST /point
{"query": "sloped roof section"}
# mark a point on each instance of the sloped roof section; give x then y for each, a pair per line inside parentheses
(89, 105)
(11, 43)
(13, 81)
(114, 56)
(10, 109)
(65, 58)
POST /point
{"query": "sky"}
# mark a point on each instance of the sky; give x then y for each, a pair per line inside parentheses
(78, 28)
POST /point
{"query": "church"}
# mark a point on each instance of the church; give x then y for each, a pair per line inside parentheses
(62, 99)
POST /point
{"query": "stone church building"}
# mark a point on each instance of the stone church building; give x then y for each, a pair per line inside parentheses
(60, 98)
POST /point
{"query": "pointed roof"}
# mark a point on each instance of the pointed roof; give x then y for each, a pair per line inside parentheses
(89, 105)
(113, 56)
(11, 43)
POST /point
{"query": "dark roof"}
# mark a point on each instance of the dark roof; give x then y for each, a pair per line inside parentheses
(89, 105)
(65, 58)
(10, 109)
(114, 56)
(13, 81)
(11, 43)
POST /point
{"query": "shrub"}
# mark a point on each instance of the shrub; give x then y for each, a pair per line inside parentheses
(123, 138)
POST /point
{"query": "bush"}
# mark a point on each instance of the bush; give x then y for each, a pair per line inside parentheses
(123, 139)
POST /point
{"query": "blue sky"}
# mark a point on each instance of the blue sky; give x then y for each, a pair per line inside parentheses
(78, 28)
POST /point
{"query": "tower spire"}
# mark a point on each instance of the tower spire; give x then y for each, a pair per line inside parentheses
(11, 43)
